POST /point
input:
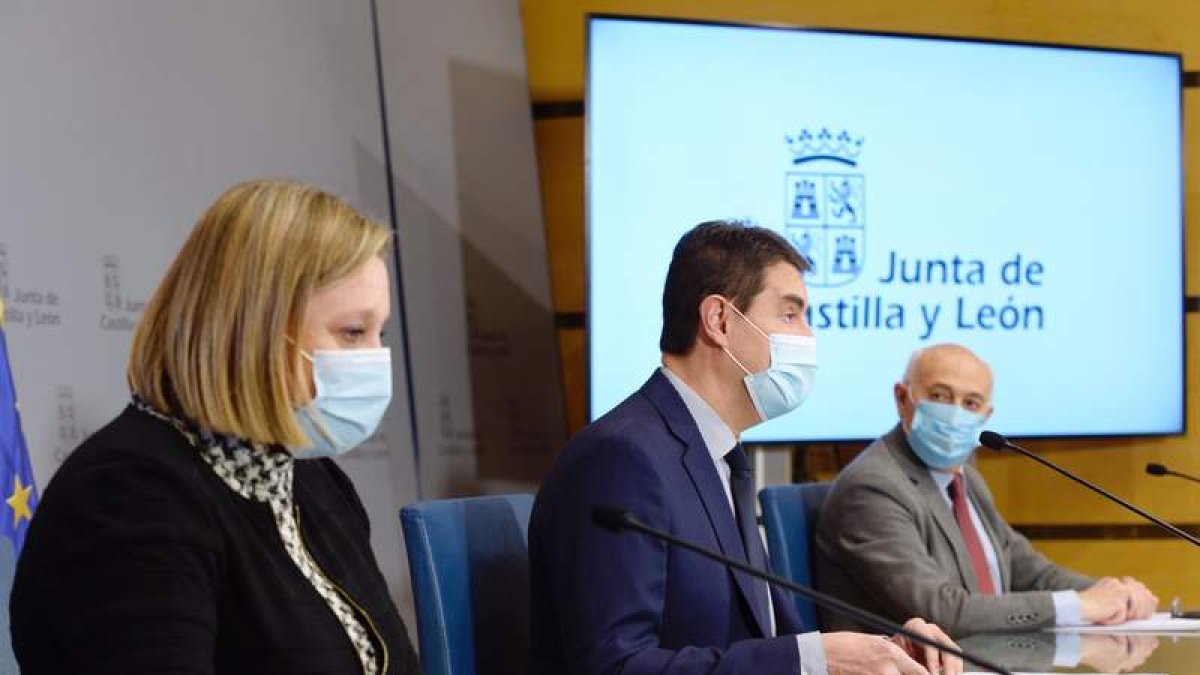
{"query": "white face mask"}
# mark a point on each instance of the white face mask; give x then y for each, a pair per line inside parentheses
(788, 379)
(354, 387)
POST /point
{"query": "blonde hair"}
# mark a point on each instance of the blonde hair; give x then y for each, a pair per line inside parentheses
(213, 345)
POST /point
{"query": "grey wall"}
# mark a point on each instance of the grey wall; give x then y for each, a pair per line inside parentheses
(485, 366)
(121, 122)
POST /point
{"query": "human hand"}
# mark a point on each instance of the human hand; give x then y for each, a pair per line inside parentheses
(933, 660)
(1108, 653)
(1142, 603)
(1107, 602)
(861, 654)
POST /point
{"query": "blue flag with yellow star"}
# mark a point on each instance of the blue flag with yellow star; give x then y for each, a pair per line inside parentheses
(16, 473)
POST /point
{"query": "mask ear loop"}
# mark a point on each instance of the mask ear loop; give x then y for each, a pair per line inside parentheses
(314, 412)
(298, 348)
(747, 320)
(752, 325)
(734, 359)
(306, 355)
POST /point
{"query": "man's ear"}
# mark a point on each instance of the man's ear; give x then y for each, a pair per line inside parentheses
(714, 321)
(900, 395)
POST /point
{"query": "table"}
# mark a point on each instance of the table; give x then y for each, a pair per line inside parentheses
(1172, 654)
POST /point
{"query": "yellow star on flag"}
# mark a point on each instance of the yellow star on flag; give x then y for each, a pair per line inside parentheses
(19, 501)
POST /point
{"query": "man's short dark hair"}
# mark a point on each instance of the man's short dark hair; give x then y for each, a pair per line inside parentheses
(722, 257)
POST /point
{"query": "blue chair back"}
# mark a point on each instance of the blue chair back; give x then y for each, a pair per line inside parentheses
(790, 518)
(469, 562)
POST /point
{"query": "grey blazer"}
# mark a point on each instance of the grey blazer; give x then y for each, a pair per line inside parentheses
(888, 542)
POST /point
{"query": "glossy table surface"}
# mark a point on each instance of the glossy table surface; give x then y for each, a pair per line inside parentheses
(1173, 654)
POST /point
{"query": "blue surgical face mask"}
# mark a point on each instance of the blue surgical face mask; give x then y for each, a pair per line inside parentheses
(354, 387)
(788, 379)
(944, 435)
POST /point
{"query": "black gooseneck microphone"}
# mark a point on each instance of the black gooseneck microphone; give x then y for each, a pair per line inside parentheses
(619, 519)
(995, 441)
(1156, 469)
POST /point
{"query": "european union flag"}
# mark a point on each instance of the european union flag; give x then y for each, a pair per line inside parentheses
(16, 473)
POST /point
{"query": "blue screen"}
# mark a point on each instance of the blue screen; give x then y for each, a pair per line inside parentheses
(1022, 200)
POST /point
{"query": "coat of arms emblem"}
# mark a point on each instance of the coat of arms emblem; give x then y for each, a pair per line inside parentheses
(825, 207)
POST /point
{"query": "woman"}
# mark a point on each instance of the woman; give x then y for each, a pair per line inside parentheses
(205, 530)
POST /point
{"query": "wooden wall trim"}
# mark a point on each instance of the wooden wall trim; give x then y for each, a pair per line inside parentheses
(1108, 531)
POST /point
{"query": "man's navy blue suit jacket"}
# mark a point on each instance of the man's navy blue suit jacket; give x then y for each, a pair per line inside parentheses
(605, 602)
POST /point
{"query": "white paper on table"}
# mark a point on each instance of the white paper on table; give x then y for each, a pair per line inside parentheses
(1157, 623)
(987, 672)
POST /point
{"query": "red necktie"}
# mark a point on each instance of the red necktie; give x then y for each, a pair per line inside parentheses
(962, 513)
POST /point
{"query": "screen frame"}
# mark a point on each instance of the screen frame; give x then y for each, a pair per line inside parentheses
(590, 19)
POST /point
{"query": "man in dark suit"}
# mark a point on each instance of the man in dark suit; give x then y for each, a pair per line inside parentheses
(737, 350)
(910, 507)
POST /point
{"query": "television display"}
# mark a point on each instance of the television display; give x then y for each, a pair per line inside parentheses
(1023, 200)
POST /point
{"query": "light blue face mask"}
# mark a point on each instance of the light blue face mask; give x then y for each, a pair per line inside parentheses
(944, 435)
(788, 379)
(354, 387)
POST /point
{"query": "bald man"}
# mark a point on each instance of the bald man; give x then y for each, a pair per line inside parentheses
(910, 529)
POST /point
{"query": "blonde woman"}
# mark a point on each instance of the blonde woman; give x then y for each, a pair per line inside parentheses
(205, 529)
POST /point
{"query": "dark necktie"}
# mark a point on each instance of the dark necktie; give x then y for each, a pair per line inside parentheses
(741, 483)
(962, 514)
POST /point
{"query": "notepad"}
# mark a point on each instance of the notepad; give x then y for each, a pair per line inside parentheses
(1161, 622)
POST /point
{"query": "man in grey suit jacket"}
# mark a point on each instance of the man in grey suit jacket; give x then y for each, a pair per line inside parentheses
(909, 529)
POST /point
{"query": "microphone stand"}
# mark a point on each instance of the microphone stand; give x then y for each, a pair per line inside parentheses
(996, 441)
(617, 519)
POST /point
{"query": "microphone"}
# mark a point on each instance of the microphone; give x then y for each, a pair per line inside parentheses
(613, 518)
(1155, 469)
(619, 519)
(995, 441)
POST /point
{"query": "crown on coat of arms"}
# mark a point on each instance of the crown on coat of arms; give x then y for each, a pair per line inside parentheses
(807, 146)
